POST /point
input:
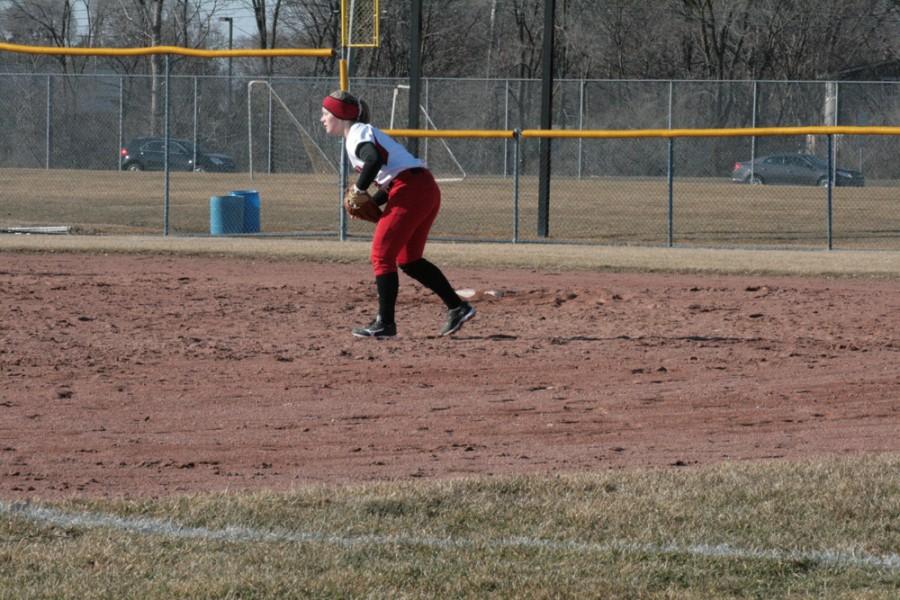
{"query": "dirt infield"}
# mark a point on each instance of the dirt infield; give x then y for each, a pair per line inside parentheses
(134, 376)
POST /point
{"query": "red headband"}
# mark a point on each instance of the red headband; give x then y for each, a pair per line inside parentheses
(341, 109)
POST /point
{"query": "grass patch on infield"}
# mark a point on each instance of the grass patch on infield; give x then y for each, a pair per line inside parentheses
(828, 528)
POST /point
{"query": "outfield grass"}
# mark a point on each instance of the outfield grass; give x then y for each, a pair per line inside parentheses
(706, 212)
(829, 528)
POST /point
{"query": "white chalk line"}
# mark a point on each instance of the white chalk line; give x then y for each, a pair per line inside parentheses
(147, 526)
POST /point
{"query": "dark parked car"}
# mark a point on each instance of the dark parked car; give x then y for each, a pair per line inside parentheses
(147, 154)
(792, 169)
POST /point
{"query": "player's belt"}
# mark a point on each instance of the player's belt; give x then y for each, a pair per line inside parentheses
(402, 175)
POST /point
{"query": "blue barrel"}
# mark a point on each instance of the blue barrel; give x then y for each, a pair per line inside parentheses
(251, 209)
(226, 214)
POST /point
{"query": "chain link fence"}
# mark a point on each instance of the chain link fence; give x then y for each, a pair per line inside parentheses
(68, 163)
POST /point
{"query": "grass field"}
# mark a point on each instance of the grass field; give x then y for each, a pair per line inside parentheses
(713, 212)
(825, 529)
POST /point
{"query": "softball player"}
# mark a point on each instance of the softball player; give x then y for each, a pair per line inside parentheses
(411, 200)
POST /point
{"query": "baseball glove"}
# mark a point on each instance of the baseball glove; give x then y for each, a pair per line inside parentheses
(359, 205)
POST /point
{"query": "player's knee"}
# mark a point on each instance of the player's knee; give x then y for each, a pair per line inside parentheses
(414, 267)
(380, 265)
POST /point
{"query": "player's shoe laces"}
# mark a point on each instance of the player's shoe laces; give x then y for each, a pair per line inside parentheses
(457, 316)
(377, 329)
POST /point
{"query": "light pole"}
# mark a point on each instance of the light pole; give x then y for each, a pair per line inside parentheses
(230, 21)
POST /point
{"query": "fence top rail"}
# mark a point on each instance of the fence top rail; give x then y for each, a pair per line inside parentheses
(452, 133)
(643, 133)
(737, 132)
(691, 82)
(145, 51)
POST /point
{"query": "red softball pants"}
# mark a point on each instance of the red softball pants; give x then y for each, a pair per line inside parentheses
(400, 235)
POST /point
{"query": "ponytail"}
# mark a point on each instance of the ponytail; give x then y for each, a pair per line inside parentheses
(364, 116)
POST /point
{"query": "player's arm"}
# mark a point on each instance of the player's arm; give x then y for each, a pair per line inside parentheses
(372, 163)
(380, 197)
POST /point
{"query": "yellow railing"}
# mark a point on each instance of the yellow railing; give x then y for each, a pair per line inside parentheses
(146, 51)
(644, 133)
(737, 132)
(452, 133)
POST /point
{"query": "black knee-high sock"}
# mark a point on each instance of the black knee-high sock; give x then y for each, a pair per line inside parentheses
(387, 285)
(433, 278)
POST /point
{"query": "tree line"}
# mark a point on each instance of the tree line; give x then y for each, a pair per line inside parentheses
(612, 39)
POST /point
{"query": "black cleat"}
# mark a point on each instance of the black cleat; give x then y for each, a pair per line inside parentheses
(457, 316)
(376, 329)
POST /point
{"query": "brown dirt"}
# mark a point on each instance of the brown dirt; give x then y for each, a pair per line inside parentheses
(131, 376)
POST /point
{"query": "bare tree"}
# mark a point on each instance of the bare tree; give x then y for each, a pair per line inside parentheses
(607, 39)
(268, 34)
(47, 22)
(152, 16)
(192, 22)
(146, 18)
(97, 14)
(678, 39)
(826, 37)
(806, 39)
(313, 24)
(452, 41)
(714, 41)
(527, 20)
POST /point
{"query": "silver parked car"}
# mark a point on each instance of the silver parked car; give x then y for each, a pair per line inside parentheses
(792, 169)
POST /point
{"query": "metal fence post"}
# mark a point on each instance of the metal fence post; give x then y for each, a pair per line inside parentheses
(829, 205)
(48, 139)
(671, 179)
(671, 100)
(271, 144)
(670, 173)
(837, 108)
(753, 125)
(196, 118)
(250, 128)
(517, 140)
(427, 105)
(166, 154)
(506, 126)
(581, 127)
(121, 118)
(342, 185)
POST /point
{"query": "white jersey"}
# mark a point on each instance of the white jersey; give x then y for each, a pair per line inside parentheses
(396, 158)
